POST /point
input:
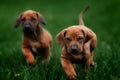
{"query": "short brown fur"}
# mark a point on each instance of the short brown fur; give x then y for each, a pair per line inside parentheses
(78, 43)
(36, 40)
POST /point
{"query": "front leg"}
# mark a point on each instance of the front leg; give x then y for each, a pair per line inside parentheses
(28, 56)
(69, 68)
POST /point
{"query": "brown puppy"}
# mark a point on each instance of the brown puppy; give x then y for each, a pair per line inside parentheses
(36, 40)
(78, 43)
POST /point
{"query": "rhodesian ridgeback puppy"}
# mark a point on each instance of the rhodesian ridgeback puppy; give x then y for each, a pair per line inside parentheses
(36, 40)
(77, 43)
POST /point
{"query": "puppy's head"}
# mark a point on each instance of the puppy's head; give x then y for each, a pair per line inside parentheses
(72, 39)
(29, 20)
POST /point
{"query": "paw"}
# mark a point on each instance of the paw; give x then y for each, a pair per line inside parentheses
(31, 61)
(72, 76)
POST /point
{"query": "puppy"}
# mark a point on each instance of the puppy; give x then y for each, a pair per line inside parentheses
(78, 43)
(36, 40)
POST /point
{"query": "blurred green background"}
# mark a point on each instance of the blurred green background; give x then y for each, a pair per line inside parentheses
(103, 18)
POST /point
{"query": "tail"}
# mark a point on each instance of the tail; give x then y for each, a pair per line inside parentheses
(81, 14)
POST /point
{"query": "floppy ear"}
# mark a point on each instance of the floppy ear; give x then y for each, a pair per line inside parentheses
(90, 41)
(88, 36)
(18, 21)
(61, 38)
(41, 18)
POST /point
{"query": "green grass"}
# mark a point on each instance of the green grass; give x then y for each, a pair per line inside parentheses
(102, 17)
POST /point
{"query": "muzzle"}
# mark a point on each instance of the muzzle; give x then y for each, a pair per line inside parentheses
(74, 49)
(28, 27)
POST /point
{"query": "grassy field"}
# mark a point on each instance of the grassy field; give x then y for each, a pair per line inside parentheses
(103, 18)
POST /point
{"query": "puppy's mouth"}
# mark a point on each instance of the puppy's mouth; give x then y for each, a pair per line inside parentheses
(74, 52)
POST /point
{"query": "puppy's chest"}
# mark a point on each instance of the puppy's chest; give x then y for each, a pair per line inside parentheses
(37, 44)
(34, 44)
(76, 58)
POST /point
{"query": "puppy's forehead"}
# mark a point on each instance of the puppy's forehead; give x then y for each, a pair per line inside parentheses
(74, 31)
(29, 14)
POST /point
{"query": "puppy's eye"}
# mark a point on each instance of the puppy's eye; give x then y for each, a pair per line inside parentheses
(33, 19)
(68, 39)
(80, 39)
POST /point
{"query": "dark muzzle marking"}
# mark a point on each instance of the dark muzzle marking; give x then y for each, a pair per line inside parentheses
(28, 27)
(74, 49)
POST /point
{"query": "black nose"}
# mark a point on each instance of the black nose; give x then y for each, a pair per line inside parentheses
(74, 49)
(27, 24)
(28, 27)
